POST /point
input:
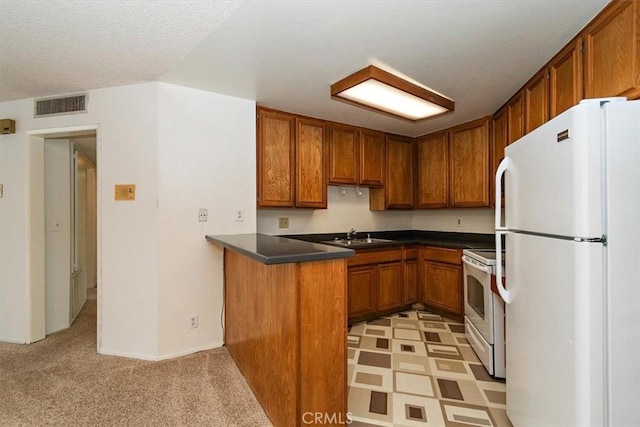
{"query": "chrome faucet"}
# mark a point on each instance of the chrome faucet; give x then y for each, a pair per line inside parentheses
(351, 233)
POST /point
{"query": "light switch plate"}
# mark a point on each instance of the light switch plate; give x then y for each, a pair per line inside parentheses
(125, 192)
(283, 222)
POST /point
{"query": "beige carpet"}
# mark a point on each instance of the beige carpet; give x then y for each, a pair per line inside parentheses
(63, 381)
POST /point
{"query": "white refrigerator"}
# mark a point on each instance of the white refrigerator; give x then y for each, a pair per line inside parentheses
(572, 226)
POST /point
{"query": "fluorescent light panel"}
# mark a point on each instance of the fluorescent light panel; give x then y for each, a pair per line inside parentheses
(382, 91)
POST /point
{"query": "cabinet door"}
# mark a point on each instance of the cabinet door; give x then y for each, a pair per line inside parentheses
(372, 158)
(469, 151)
(311, 153)
(433, 170)
(344, 155)
(498, 144)
(612, 52)
(515, 117)
(361, 295)
(410, 281)
(390, 286)
(399, 182)
(536, 100)
(442, 286)
(275, 163)
(565, 78)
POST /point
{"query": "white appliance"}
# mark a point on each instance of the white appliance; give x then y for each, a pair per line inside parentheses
(572, 215)
(483, 310)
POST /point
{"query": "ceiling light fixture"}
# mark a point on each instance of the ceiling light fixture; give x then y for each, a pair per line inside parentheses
(382, 91)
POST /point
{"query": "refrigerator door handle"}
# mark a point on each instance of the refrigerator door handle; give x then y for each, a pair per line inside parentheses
(502, 167)
(500, 231)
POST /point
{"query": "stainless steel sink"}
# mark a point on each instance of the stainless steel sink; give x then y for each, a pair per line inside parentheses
(356, 242)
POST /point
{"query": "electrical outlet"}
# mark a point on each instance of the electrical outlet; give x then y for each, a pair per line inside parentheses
(239, 215)
(459, 223)
(283, 222)
(193, 321)
(203, 215)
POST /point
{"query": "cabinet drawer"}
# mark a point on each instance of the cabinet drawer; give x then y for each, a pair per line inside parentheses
(446, 255)
(375, 257)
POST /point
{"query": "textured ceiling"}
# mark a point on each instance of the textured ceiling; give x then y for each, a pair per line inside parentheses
(55, 47)
(286, 54)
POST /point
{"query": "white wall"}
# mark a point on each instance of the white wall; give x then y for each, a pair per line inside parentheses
(472, 220)
(350, 210)
(128, 129)
(342, 214)
(183, 149)
(57, 195)
(14, 154)
(35, 235)
(206, 160)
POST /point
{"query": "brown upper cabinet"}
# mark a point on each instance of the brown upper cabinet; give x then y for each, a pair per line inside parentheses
(469, 151)
(515, 117)
(536, 101)
(565, 78)
(453, 167)
(499, 141)
(612, 52)
(276, 158)
(398, 190)
(356, 156)
(311, 153)
(601, 61)
(344, 155)
(372, 158)
(291, 163)
(433, 170)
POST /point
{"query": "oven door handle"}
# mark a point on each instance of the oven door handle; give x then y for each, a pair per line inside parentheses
(477, 267)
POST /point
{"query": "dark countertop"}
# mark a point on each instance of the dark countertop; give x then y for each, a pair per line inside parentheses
(443, 239)
(279, 250)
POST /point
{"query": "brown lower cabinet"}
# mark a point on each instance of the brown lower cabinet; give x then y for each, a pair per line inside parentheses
(377, 283)
(440, 279)
(410, 278)
(390, 286)
(361, 292)
(386, 280)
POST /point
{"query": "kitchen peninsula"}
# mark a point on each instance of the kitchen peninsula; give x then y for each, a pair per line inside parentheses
(286, 323)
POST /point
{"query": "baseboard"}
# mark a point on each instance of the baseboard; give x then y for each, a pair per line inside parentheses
(128, 355)
(163, 357)
(12, 341)
(191, 351)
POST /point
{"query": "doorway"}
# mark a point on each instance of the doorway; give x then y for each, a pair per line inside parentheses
(69, 217)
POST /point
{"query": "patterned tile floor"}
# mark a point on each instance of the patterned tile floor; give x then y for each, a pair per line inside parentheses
(417, 369)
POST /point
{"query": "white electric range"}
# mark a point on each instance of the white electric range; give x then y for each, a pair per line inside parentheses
(484, 310)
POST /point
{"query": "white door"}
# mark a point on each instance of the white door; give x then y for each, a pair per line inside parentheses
(554, 332)
(552, 184)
